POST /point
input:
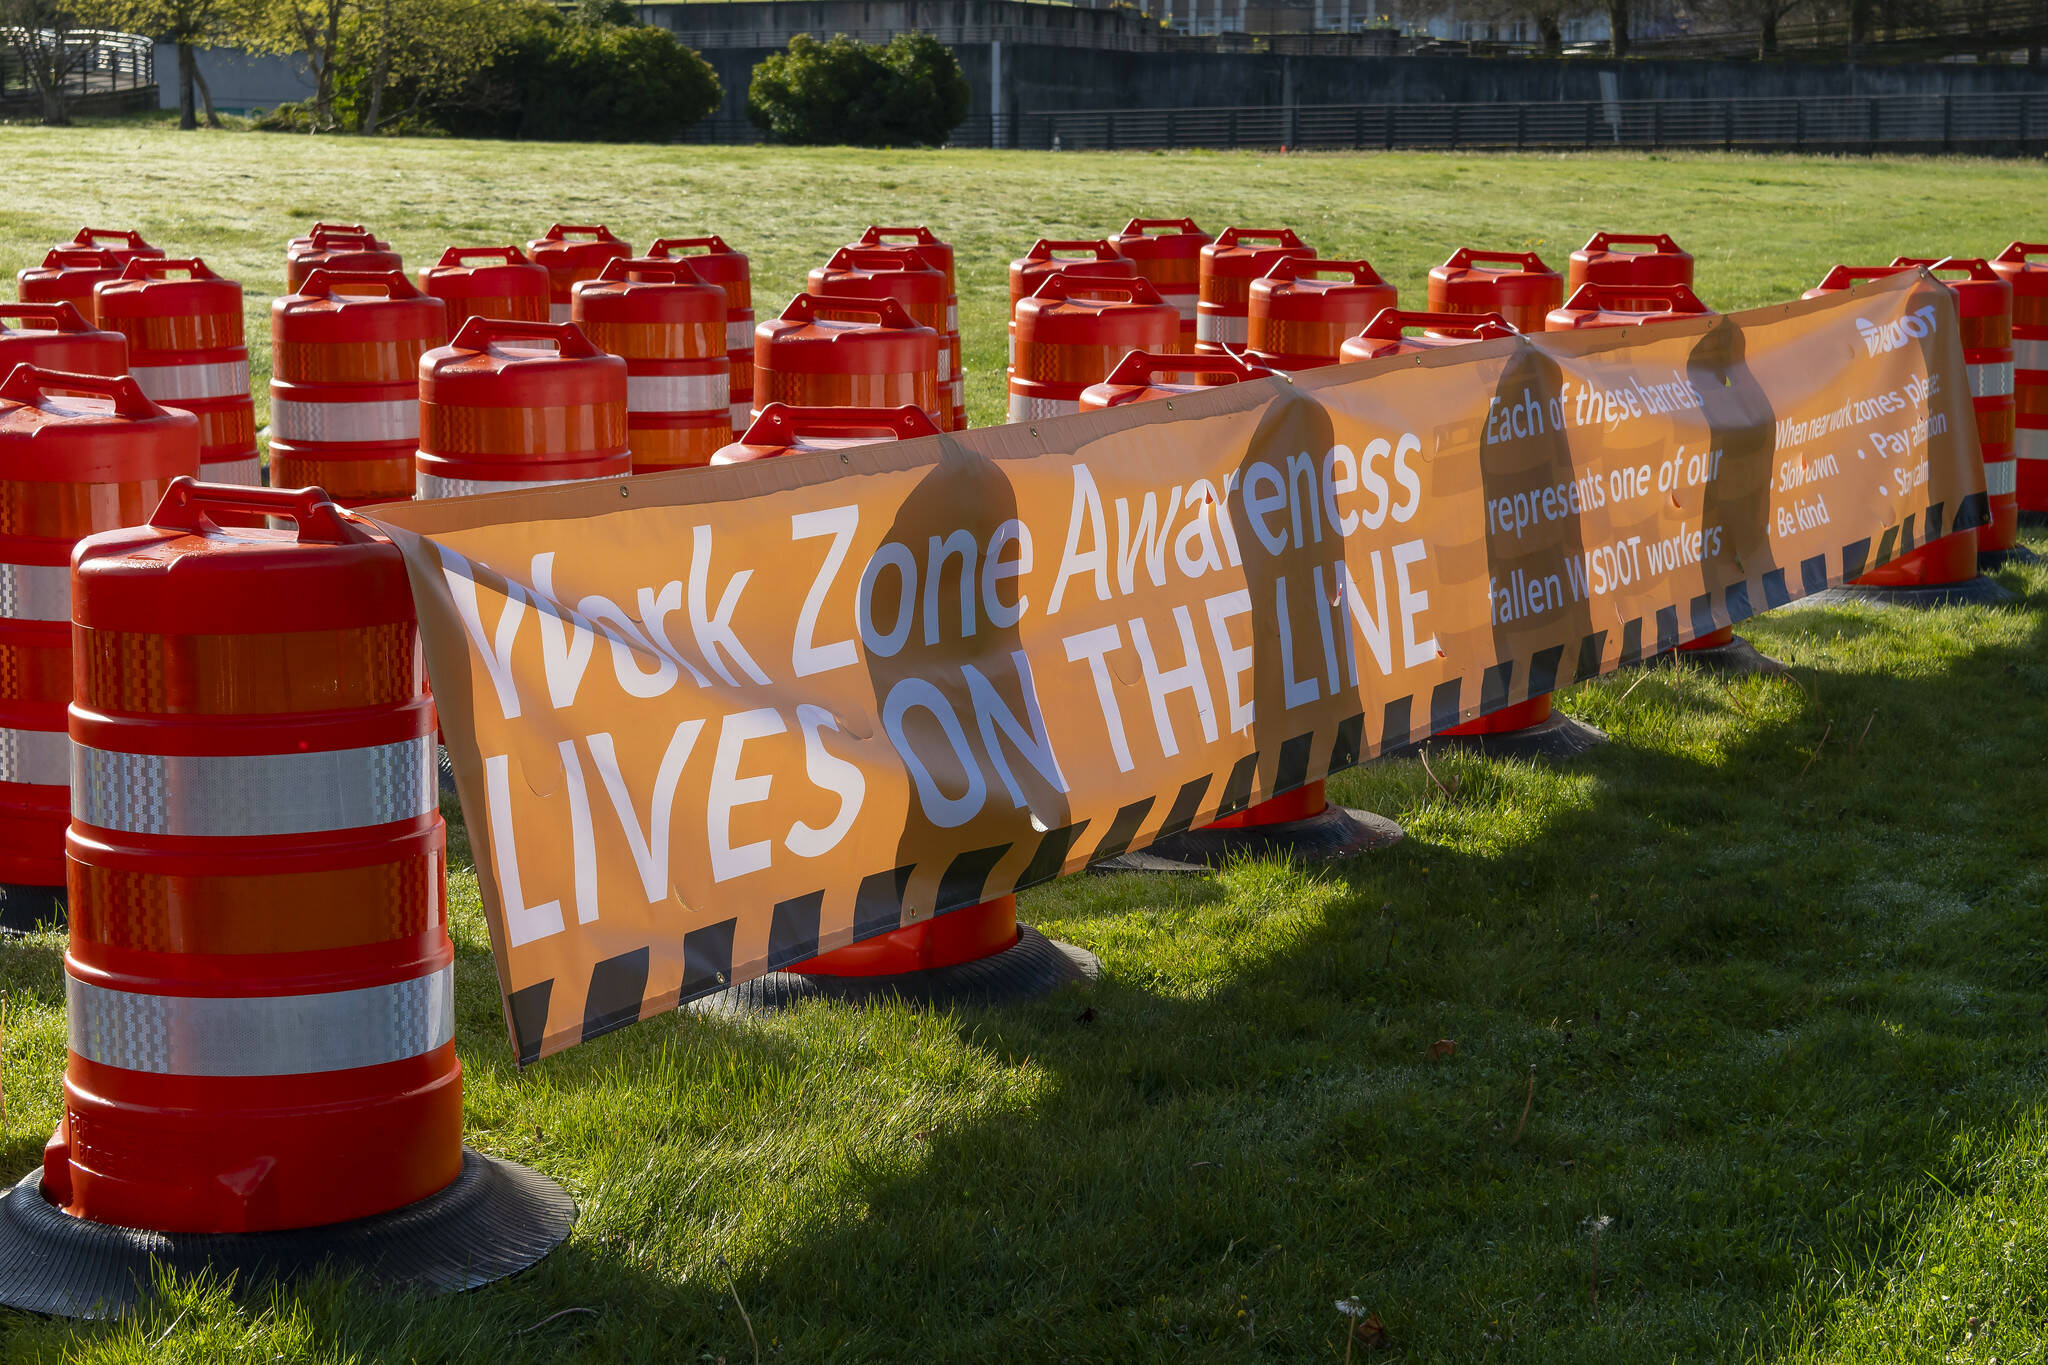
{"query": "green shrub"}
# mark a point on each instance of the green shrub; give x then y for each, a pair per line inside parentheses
(908, 93)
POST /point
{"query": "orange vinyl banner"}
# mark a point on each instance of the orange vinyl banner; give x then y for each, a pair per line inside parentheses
(709, 723)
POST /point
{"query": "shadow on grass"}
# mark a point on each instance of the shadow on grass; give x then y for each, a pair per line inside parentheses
(1719, 996)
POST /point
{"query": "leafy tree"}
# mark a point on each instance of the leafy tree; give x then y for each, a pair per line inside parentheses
(188, 24)
(38, 32)
(909, 92)
(361, 52)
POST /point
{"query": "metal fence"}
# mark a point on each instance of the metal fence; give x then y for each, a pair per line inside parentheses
(2009, 121)
(98, 61)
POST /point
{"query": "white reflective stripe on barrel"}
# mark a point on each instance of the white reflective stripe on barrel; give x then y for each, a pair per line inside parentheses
(221, 379)
(1025, 408)
(2001, 478)
(742, 413)
(945, 366)
(35, 758)
(2030, 355)
(246, 473)
(558, 312)
(428, 487)
(1217, 327)
(739, 336)
(677, 392)
(2031, 444)
(952, 317)
(261, 1035)
(250, 795)
(1186, 304)
(959, 387)
(35, 592)
(1990, 381)
(395, 419)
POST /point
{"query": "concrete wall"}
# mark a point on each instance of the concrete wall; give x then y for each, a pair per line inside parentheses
(239, 81)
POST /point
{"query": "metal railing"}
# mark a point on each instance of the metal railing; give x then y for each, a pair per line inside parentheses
(1119, 36)
(2015, 120)
(98, 60)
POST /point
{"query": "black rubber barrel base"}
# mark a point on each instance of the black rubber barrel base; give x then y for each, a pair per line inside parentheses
(24, 909)
(1736, 659)
(1335, 832)
(495, 1220)
(1561, 736)
(1029, 969)
(1979, 592)
(1990, 561)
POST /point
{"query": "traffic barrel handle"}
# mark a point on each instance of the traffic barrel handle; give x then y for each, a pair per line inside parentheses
(1465, 256)
(462, 255)
(1296, 267)
(1389, 323)
(30, 384)
(1061, 285)
(651, 269)
(1138, 227)
(163, 267)
(61, 317)
(1138, 367)
(922, 235)
(1678, 297)
(1044, 247)
(714, 244)
(478, 332)
(1231, 236)
(562, 232)
(318, 521)
(90, 237)
(1601, 241)
(80, 258)
(1842, 276)
(323, 283)
(780, 424)
(877, 258)
(887, 312)
(2018, 251)
(336, 227)
(1976, 267)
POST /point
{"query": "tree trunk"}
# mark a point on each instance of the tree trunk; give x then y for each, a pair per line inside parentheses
(1767, 42)
(1552, 34)
(205, 94)
(187, 118)
(1859, 28)
(1617, 28)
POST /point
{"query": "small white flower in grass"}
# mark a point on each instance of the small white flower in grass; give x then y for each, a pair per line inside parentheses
(1596, 1225)
(1351, 1308)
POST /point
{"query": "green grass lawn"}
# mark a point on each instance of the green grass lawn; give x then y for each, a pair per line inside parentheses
(1748, 1005)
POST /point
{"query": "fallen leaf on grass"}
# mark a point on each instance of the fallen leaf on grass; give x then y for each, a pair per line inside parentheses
(1371, 1334)
(1442, 1048)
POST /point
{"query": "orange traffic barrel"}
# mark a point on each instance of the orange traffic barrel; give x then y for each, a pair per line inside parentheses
(261, 1074)
(669, 327)
(1624, 305)
(1387, 333)
(782, 429)
(345, 383)
(67, 275)
(1629, 258)
(1168, 252)
(716, 263)
(1137, 377)
(487, 282)
(1942, 568)
(186, 349)
(969, 950)
(515, 405)
(57, 336)
(939, 256)
(1984, 310)
(1053, 256)
(352, 251)
(1237, 257)
(2029, 283)
(1524, 729)
(1300, 822)
(123, 244)
(907, 276)
(571, 253)
(1299, 320)
(846, 353)
(1631, 305)
(79, 453)
(1071, 333)
(1515, 284)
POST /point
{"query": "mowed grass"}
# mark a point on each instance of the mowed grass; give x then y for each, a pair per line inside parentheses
(1748, 1005)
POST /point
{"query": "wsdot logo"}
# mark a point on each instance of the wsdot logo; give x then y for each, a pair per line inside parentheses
(1889, 336)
